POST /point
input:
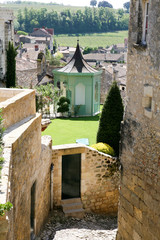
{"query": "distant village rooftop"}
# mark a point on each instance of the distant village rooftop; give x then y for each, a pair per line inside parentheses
(77, 64)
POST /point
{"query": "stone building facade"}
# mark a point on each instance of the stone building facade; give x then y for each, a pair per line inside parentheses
(6, 35)
(98, 181)
(139, 209)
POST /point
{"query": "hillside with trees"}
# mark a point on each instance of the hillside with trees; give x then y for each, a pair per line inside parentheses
(89, 20)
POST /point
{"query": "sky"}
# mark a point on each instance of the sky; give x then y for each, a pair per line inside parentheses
(115, 3)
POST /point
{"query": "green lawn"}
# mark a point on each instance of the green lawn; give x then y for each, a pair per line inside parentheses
(64, 131)
(92, 40)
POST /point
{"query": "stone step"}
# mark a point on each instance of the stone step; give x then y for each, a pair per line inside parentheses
(71, 200)
(73, 208)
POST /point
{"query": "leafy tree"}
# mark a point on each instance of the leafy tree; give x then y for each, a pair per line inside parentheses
(111, 117)
(46, 95)
(20, 18)
(105, 4)
(90, 20)
(127, 6)
(93, 3)
(121, 12)
(63, 105)
(89, 50)
(11, 66)
(22, 33)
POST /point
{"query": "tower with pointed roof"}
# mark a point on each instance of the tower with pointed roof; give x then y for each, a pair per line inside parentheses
(81, 84)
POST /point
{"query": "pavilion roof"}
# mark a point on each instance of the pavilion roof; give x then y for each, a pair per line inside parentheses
(77, 64)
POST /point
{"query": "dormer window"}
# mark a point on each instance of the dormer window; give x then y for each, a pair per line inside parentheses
(145, 25)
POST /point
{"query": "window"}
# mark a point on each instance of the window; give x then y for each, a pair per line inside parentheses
(147, 101)
(80, 94)
(96, 92)
(145, 24)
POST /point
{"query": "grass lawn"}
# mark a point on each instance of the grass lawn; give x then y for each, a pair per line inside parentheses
(64, 131)
(92, 40)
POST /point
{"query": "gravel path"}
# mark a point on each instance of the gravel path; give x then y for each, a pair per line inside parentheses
(92, 227)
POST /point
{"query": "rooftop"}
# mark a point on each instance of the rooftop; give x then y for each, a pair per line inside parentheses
(77, 64)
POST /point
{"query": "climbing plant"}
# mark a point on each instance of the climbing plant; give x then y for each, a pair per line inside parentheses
(11, 66)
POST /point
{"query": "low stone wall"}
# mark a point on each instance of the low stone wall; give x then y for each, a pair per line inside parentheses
(29, 162)
(99, 185)
(6, 93)
(20, 104)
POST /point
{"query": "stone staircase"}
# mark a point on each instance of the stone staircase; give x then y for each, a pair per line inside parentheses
(73, 208)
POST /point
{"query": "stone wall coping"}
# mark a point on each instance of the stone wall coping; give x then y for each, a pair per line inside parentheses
(26, 70)
(13, 95)
(13, 133)
(18, 105)
(68, 146)
(79, 145)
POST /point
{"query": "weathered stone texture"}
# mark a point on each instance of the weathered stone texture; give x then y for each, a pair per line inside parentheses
(99, 188)
(27, 161)
(140, 189)
(6, 35)
(26, 78)
(20, 104)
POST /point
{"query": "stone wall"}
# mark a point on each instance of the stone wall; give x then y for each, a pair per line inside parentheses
(20, 105)
(27, 160)
(6, 35)
(26, 78)
(139, 208)
(99, 189)
(106, 81)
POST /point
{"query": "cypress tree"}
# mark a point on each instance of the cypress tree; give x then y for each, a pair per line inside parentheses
(11, 66)
(110, 120)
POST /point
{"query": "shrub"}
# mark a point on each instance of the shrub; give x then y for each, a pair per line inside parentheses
(111, 117)
(104, 147)
(63, 105)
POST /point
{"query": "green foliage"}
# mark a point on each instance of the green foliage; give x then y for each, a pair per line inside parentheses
(89, 49)
(5, 207)
(103, 147)
(88, 20)
(111, 117)
(127, 6)
(11, 66)
(93, 3)
(63, 105)
(55, 60)
(105, 4)
(46, 95)
(22, 33)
